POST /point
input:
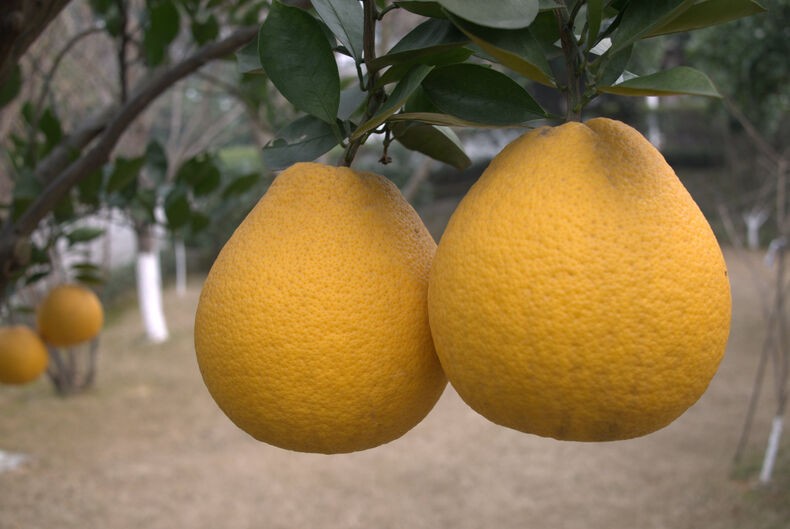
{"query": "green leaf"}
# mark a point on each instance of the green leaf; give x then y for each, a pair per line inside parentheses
(248, 60)
(303, 140)
(640, 18)
(423, 8)
(397, 71)
(480, 95)
(177, 210)
(594, 16)
(515, 48)
(125, 172)
(681, 80)
(89, 188)
(430, 37)
(440, 143)
(396, 99)
(162, 28)
(198, 222)
(709, 13)
(200, 173)
(156, 161)
(164, 20)
(49, 124)
(84, 234)
(86, 267)
(241, 185)
(10, 89)
(204, 31)
(613, 65)
(346, 20)
(434, 118)
(89, 279)
(502, 14)
(298, 59)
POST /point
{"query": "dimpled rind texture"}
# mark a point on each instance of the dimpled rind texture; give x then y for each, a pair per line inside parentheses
(578, 292)
(69, 315)
(312, 330)
(23, 356)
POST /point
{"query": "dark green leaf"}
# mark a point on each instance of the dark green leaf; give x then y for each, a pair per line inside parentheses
(346, 20)
(10, 89)
(49, 124)
(423, 8)
(125, 171)
(241, 185)
(143, 205)
(640, 18)
(198, 222)
(613, 65)
(675, 81)
(440, 143)
(397, 71)
(84, 234)
(594, 16)
(26, 189)
(204, 31)
(298, 59)
(351, 100)
(156, 161)
(162, 28)
(304, 140)
(200, 173)
(709, 13)
(35, 278)
(64, 209)
(177, 208)
(248, 60)
(396, 99)
(428, 38)
(515, 48)
(163, 20)
(89, 188)
(502, 14)
(480, 95)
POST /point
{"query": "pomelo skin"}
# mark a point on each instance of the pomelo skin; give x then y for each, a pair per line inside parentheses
(578, 292)
(312, 330)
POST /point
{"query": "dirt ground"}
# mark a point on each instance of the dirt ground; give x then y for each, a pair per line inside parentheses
(148, 448)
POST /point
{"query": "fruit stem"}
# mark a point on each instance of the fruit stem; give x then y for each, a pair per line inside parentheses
(375, 95)
(575, 84)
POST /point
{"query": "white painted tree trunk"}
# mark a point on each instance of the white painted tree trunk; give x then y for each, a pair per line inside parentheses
(771, 450)
(181, 267)
(149, 287)
(754, 220)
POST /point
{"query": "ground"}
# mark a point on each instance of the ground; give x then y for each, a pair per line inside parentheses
(148, 448)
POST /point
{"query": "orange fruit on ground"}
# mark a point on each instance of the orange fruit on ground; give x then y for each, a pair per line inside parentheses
(578, 292)
(69, 315)
(312, 329)
(23, 356)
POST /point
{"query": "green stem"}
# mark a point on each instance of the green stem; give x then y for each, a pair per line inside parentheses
(376, 96)
(574, 57)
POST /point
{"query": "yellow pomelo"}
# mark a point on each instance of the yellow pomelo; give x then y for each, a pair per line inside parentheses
(23, 356)
(578, 291)
(312, 330)
(69, 315)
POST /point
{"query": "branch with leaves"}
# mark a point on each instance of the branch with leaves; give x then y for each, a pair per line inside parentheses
(106, 130)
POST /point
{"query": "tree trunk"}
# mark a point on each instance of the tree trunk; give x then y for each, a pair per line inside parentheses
(149, 286)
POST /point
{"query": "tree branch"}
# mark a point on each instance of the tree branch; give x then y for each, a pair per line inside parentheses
(21, 22)
(15, 232)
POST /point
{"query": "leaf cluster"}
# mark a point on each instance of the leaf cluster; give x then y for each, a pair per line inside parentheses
(468, 64)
